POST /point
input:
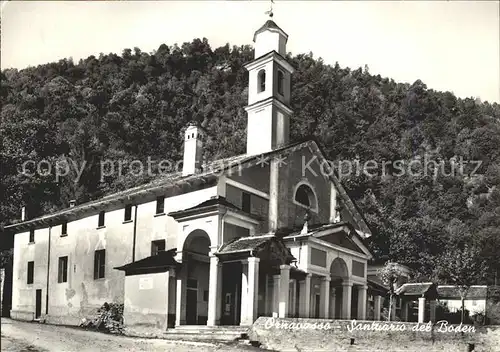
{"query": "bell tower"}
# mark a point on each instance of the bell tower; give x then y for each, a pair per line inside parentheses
(268, 108)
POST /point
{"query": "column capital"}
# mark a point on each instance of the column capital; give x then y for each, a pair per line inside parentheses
(306, 278)
(326, 278)
(347, 283)
(253, 260)
(363, 287)
(284, 267)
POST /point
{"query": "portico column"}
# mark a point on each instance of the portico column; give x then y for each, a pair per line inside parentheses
(377, 307)
(346, 299)
(305, 296)
(432, 305)
(362, 302)
(214, 286)
(267, 298)
(283, 291)
(253, 290)
(180, 298)
(244, 293)
(325, 297)
(275, 295)
(332, 302)
(421, 309)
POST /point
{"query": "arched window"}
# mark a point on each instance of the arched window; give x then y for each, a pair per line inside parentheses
(281, 82)
(261, 76)
(304, 196)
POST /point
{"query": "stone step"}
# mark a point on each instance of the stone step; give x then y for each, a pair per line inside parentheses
(211, 328)
(206, 332)
(249, 342)
(201, 336)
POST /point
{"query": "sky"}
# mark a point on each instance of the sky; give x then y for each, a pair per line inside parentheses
(449, 45)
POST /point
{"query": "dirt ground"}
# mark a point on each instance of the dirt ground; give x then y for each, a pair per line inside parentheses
(24, 336)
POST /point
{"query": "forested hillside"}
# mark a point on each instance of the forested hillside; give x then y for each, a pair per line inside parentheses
(135, 105)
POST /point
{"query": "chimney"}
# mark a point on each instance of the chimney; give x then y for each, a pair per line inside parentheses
(193, 150)
(72, 203)
(23, 213)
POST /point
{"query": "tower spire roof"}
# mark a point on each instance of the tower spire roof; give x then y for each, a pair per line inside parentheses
(269, 25)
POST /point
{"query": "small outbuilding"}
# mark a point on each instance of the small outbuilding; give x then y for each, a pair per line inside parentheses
(150, 291)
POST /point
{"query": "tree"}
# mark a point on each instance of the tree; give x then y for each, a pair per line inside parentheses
(6, 258)
(390, 275)
(461, 267)
(128, 106)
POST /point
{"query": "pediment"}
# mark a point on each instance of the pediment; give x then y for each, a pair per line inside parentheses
(341, 239)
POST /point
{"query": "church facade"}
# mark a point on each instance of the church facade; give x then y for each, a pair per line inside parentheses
(268, 233)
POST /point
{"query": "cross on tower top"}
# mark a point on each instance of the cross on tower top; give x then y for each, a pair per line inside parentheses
(270, 11)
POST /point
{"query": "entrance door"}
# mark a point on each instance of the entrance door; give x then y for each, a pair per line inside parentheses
(38, 304)
(231, 293)
(192, 302)
(316, 306)
(191, 309)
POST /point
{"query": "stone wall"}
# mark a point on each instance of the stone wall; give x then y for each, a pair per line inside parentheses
(339, 335)
(2, 280)
(493, 305)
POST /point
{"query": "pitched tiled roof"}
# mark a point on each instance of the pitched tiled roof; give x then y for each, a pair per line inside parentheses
(210, 172)
(315, 228)
(245, 243)
(214, 201)
(268, 247)
(415, 289)
(377, 287)
(209, 175)
(268, 25)
(163, 260)
(453, 292)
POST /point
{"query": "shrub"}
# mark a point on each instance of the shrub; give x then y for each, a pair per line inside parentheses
(108, 318)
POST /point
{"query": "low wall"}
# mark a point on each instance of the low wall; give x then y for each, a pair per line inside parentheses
(336, 335)
(22, 315)
(62, 319)
(159, 321)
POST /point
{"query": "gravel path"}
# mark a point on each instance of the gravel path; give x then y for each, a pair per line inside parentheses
(24, 336)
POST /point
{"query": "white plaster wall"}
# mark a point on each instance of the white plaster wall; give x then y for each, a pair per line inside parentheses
(259, 131)
(23, 294)
(151, 227)
(473, 306)
(254, 95)
(81, 294)
(209, 224)
(268, 41)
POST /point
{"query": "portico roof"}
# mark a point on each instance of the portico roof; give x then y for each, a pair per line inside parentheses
(267, 247)
(375, 287)
(161, 262)
(422, 289)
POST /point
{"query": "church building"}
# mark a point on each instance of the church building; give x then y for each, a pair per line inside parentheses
(271, 232)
